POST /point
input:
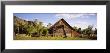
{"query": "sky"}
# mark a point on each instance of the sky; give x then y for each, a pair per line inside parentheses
(80, 20)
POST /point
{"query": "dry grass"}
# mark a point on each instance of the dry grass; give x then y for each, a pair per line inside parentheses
(24, 37)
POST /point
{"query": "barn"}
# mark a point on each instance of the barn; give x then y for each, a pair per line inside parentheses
(63, 29)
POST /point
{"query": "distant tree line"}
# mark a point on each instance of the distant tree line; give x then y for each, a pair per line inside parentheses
(31, 28)
(88, 32)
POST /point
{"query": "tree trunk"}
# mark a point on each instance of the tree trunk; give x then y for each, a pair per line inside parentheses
(18, 30)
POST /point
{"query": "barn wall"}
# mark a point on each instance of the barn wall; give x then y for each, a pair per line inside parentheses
(59, 31)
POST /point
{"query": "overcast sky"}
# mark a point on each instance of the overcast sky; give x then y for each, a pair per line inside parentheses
(80, 20)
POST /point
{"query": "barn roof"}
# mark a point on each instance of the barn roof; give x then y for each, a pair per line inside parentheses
(63, 22)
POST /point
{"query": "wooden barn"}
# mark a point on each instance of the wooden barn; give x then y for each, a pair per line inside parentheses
(62, 28)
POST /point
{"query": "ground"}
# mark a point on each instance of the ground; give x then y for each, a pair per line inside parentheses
(24, 37)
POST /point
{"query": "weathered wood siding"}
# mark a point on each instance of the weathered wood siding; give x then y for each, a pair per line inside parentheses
(62, 27)
(60, 32)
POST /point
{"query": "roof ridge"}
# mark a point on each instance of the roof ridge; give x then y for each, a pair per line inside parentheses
(63, 21)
